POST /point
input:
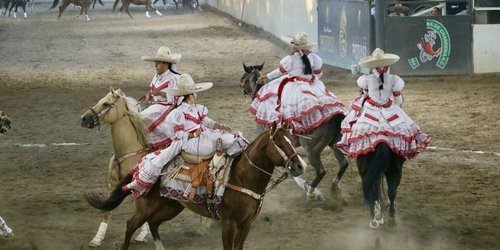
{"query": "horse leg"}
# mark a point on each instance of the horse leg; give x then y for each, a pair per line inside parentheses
(169, 210)
(153, 8)
(62, 8)
(378, 162)
(114, 5)
(314, 156)
(393, 178)
(137, 220)
(228, 233)
(343, 164)
(128, 12)
(241, 235)
(101, 232)
(24, 10)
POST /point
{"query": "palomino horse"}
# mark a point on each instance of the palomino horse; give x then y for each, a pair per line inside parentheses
(372, 167)
(251, 172)
(129, 139)
(126, 4)
(84, 4)
(324, 135)
(4, 123)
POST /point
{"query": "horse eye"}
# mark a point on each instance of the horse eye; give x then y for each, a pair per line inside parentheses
(106, 104)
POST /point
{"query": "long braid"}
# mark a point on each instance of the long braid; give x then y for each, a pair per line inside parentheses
(307, 63)
(381, 72)
(171, 68)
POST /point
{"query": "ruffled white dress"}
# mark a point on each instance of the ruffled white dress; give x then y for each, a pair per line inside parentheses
(376, 116)
(292, 96)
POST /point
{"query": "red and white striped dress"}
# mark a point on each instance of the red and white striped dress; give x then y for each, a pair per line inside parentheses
(292, 96)
(376, 116)
(155, 114)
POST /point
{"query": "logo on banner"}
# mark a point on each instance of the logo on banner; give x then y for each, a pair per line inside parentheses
(435, 43)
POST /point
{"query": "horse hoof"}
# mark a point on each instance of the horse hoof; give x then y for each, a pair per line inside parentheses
(94, 244)
(392, 222)
(374, 224)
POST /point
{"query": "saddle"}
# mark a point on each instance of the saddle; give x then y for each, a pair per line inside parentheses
(198, 171)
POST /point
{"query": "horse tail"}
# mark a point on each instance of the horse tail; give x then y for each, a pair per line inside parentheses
(378, 164)
(113, 201)
(54, 4)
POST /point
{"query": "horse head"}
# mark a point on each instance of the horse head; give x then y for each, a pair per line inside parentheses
(4, 123)
(281, 151)
(248, 82)
(109, 109)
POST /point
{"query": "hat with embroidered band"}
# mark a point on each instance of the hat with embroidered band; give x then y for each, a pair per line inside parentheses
(300, 41)
(187, 86)
(163, 55)
(378, 59)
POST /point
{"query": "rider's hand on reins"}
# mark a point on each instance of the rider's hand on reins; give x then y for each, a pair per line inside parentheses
(261, 79)
(156, 92)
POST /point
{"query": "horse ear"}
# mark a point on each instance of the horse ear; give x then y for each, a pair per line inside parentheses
(112, 90)
(273, 128)
(260, 67)
(246, 68)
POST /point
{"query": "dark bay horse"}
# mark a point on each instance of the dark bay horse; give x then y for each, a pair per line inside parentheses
(372, 168)
(251, 171)
(84, 4)
(126, 4)
(15, 4)
(324, 135)
(4, 123)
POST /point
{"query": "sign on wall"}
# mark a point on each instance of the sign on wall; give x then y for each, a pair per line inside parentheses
(430, 45)
(343, 32)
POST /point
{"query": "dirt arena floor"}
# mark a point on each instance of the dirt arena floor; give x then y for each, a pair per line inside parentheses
(51, 71)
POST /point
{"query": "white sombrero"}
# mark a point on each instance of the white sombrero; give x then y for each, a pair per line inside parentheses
(300, 41)
(163, 55)
(187, 86)
(399, 6)
(379, 59)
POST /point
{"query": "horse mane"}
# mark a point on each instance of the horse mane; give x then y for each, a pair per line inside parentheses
(134, 109)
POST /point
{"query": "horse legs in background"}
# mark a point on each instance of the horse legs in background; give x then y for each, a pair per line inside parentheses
(85, 8)
(371, 168)
(148, 3)
(63, 6)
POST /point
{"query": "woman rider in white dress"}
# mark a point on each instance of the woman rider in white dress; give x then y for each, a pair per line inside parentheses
(296, 94)
(376, 116)
(5, 121)
(161, 103)
(191, 130)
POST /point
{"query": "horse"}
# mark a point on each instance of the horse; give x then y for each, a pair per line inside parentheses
(193, 4)
(324, 135)
(372, 167)
(5, 123)
(95, 1)
(129, 140)
(126, 4)
(251, 171)
(15, 4)
(84, 4)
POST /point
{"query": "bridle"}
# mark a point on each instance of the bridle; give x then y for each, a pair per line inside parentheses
(288, 167)
(255, 73)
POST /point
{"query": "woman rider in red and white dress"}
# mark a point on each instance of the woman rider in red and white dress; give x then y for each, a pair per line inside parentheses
(376, 116)
(5, 125)
(296, 94)
(161, 102)
(191, 130)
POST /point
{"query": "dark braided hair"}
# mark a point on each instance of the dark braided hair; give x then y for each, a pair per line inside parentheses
(172, 69)
(307, 63)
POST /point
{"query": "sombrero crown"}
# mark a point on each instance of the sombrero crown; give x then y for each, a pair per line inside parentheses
(300, 41)
(379, 59)
(187, 86)
(163, 55)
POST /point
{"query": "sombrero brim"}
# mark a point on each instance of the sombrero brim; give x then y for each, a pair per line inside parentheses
(371, 62)
(288, 39)
(174, 58)
(403, 8)
(197, 87)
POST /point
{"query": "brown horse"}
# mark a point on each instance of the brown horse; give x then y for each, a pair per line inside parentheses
(129, 139)
(251, 172)
(84, 4)
(322, 136)
(126, 4)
